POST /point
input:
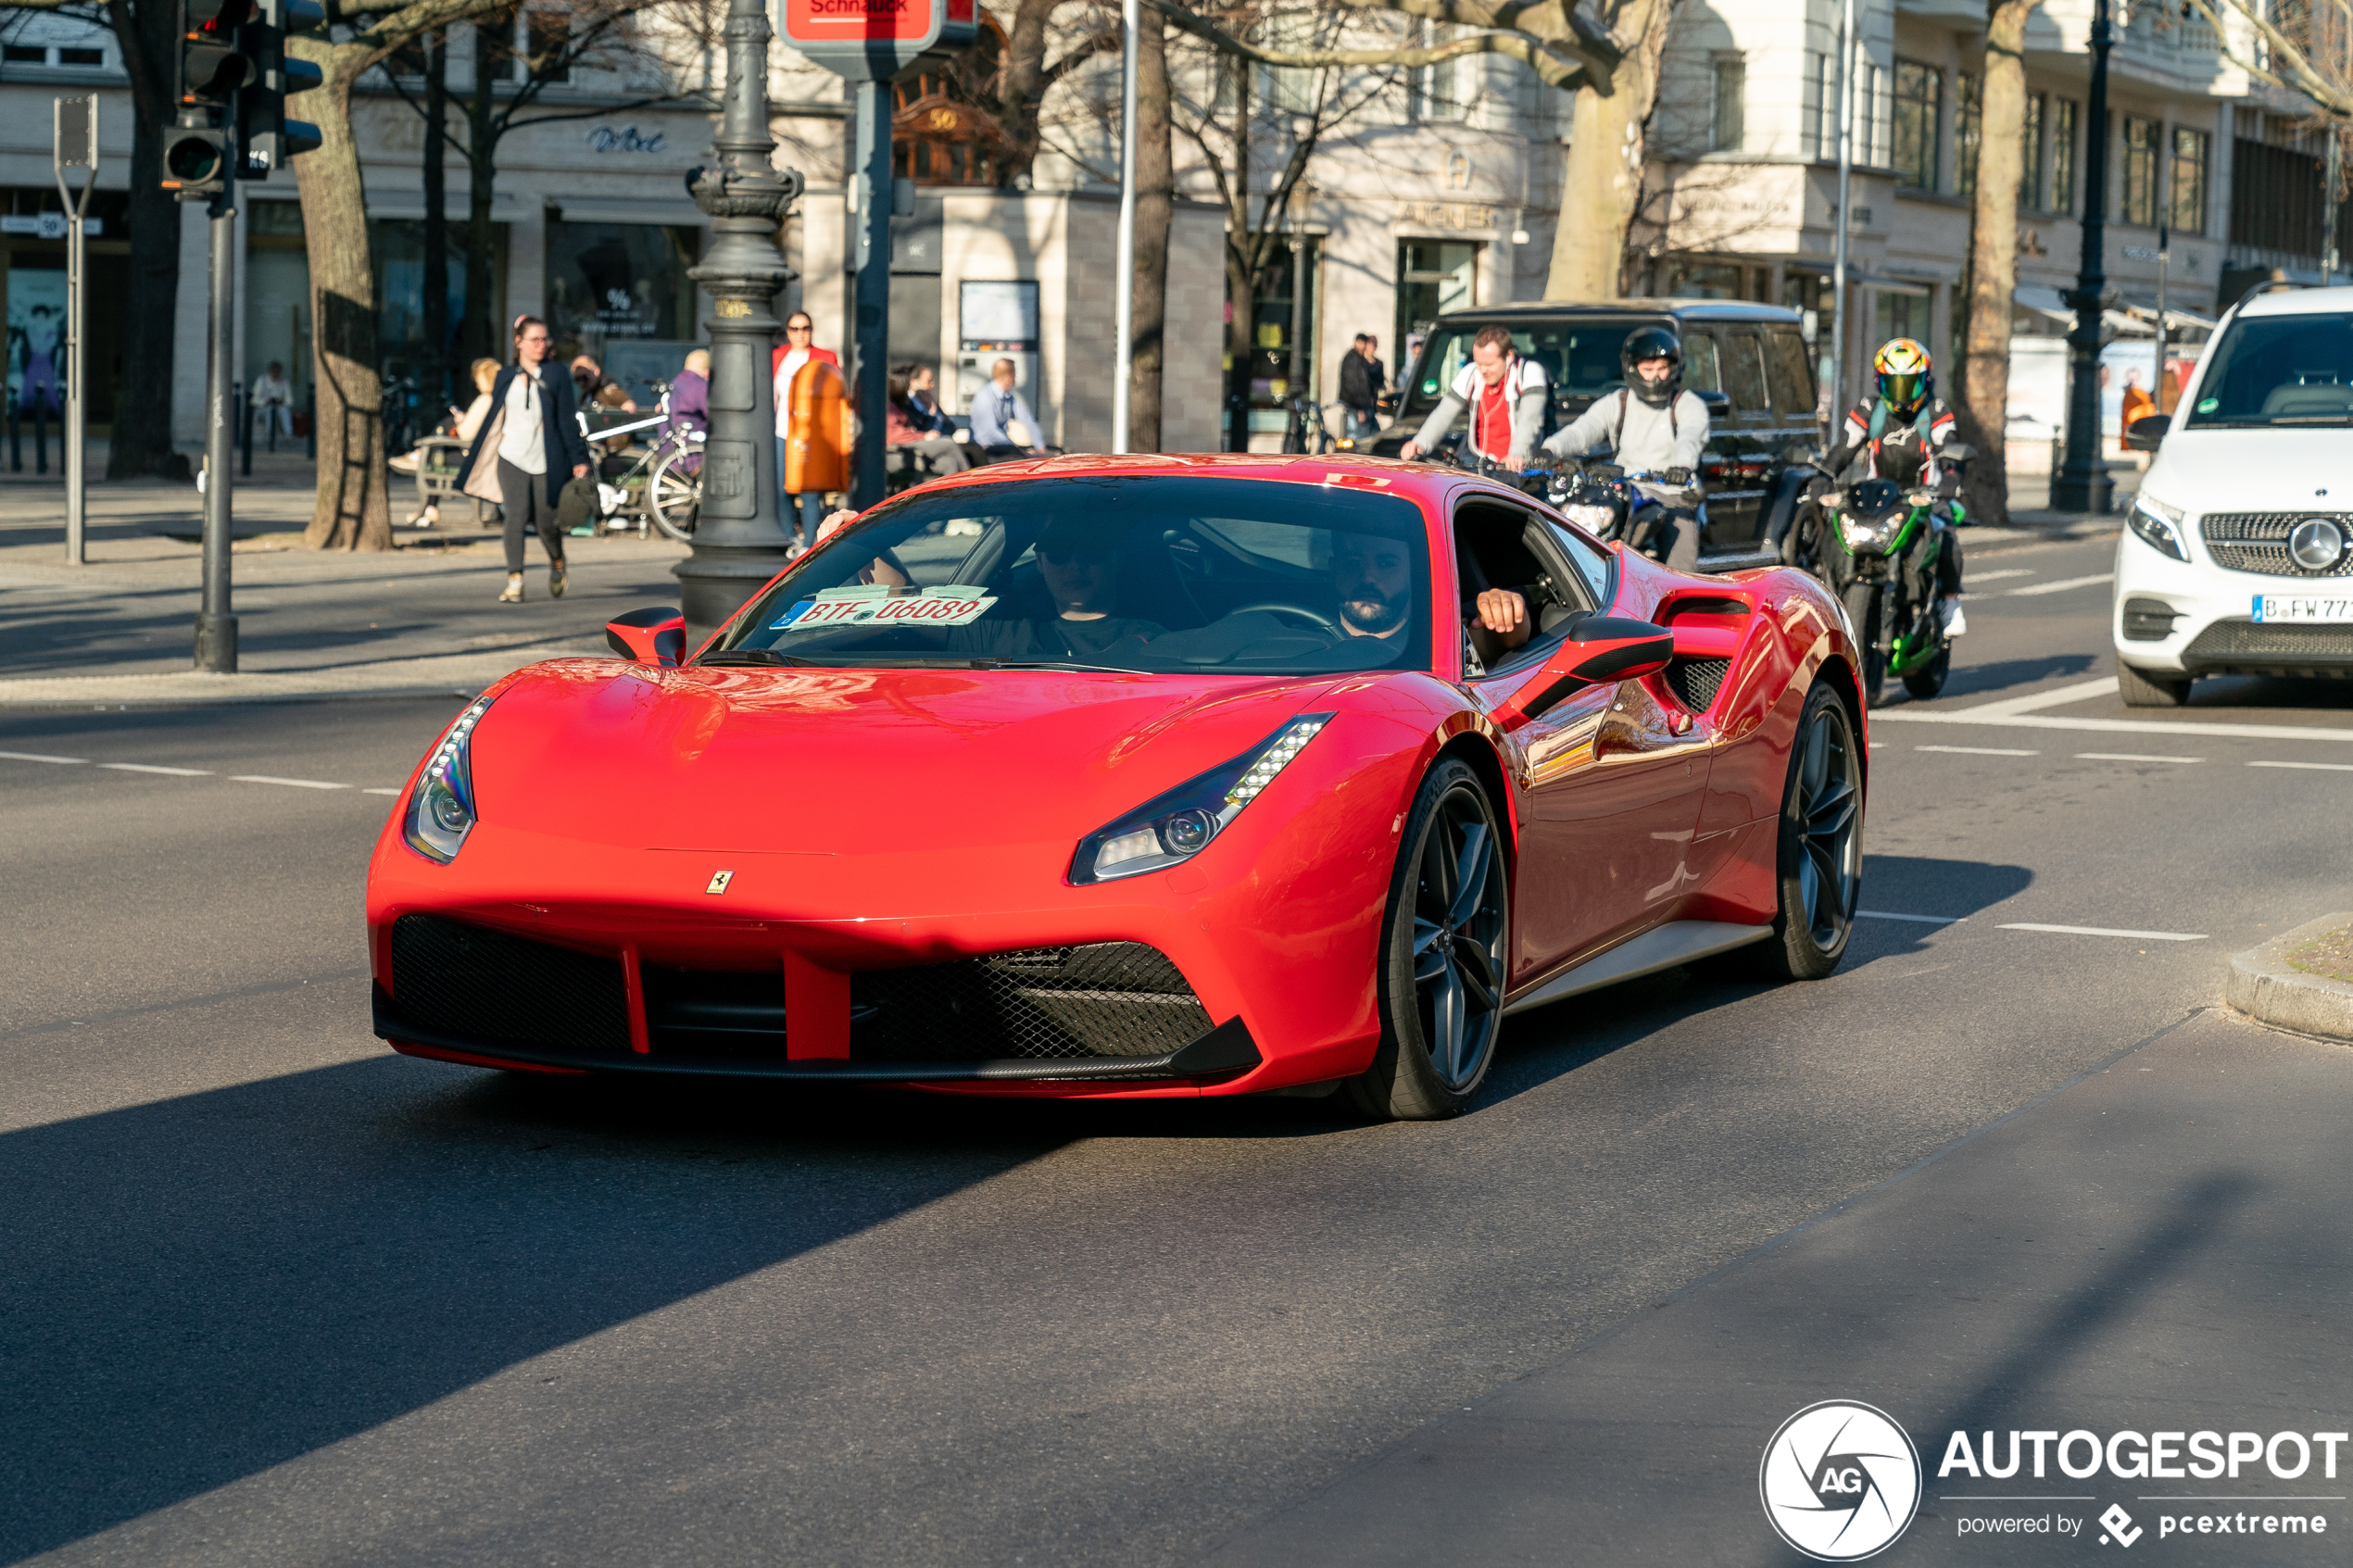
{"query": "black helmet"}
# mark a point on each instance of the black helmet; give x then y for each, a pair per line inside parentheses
(1652, 343)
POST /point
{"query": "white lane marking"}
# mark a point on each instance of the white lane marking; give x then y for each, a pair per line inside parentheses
(2062, 585)
(1917, 919)
(380, 792)
(1975, 577)
(2130, 757)
(2316, 766)
(2112, 726)
(2057, 696)
(150, 768)
(1978, 750)
(37, 757)
(2104, 930)
(296, 784)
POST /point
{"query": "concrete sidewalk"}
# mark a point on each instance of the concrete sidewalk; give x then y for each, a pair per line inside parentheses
(2158, 1247)
(423, 619)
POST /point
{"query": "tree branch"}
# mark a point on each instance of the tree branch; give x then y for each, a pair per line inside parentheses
(1536, 56)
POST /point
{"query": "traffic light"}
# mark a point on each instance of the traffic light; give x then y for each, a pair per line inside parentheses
(267, 136)
(207, 70)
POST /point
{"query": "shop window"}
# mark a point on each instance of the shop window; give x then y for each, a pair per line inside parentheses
(2139, 205)
(2185, 195)
(1707, 280)
(1268, 367)
(1919, 98)
(1433, 277)
(614, 283)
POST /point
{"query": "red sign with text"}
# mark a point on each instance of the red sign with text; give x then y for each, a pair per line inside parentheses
(859, 21)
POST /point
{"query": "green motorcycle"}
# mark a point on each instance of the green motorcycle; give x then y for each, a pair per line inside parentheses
(1878, 546)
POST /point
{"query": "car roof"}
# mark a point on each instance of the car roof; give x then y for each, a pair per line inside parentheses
(1570, 310)
(2298, 302)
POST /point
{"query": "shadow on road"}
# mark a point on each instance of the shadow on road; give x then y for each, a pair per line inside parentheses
(1980, 680)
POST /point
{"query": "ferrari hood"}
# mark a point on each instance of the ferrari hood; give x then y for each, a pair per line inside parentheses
(852, 761)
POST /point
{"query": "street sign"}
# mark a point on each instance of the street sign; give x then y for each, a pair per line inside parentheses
(77, 134)
(874, 40)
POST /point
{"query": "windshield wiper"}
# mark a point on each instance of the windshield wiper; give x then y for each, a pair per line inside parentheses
(752, 656)
(1050, 664)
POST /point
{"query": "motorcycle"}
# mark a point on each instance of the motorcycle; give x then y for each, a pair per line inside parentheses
(1610, 504)
(1876, 545)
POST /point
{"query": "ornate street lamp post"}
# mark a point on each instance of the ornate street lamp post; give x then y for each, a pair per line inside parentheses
(2082, 484)
(740, 541)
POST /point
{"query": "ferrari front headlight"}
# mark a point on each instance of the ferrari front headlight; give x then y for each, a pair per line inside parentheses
(1173, 828)
(441, 809)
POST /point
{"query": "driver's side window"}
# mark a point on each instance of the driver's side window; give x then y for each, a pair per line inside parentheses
(1499, 546)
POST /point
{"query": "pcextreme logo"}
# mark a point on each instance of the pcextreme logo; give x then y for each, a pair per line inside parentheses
(1839, 1481)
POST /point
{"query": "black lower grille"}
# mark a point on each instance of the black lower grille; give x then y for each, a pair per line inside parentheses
(715, 1012)
(457, 979)
(2258, 542)
(2285, 649)
(2147, 620)
(1105, 998)
(1695, 682)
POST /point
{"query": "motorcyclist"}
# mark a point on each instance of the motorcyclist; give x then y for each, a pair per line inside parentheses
(1901, 435)
(1506, 398)
(1653, 426)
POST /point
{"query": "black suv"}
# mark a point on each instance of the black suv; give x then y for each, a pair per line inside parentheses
(1749, 363)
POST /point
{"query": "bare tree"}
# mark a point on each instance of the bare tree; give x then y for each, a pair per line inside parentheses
(2303, 45)
(1983, 387)
(1155, 217)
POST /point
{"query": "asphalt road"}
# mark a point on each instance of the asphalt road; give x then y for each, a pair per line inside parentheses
(273, 1294)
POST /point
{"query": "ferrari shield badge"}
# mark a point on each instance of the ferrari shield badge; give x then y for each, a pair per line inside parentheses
(718, 881)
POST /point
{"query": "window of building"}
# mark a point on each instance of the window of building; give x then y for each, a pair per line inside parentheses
(2139, 204)
(1289, 90)
(1919, 92)
(2030, 187)
(1817, 95)
(81, 58)
(548, 38)
(2185, 192)
(939, 135)
(1435, 92)
(2062, 187)
(1433, 277)
(1728, 130)
(1968, 131)
(23, 54)
(1901, 315)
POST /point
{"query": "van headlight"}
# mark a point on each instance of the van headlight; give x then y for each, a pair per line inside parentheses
(2158, 526)
(441, 809)
(1173, 828)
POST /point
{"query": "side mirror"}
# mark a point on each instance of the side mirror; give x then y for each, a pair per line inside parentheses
(1599, 649)
(1718, 406)
(2147, 431)
(652, 635)
(1957, 452)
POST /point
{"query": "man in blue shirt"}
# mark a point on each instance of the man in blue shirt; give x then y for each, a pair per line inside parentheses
(995, 409)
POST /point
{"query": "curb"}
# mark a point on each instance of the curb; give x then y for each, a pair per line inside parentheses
(2266, 987)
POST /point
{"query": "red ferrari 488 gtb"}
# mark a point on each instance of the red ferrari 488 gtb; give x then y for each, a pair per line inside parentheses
(1134, 776)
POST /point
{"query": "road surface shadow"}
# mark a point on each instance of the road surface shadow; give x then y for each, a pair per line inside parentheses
(1982, 680)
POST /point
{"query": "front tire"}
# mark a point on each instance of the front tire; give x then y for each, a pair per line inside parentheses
(1819, 865)
(1863, 601)
(2141, 688)
(1445, 948)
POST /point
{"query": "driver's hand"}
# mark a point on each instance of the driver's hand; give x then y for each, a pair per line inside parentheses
(833, 521)
(1504, 613)
(1411, 450)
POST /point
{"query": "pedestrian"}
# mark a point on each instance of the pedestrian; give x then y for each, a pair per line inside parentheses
(594, 388)
(798, 348)
(529, 447)
(2138, 405)
(1002, 425)
(1363, 379)
(465, 424)
(923, 392)
(273, 403)
(690, 396)
(909, 427)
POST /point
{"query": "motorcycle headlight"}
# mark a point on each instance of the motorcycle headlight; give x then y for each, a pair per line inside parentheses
(2159, 527)
(1860, 534)
(1173, 828)
(1593, 515)
(441, 809)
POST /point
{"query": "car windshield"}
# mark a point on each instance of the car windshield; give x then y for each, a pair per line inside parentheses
(1579, 357)
(2279, 371)
(1161, 574)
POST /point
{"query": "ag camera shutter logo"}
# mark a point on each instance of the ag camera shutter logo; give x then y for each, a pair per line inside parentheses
(1839, 1481)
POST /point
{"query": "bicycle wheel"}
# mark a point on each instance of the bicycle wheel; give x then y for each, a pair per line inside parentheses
(673, 495)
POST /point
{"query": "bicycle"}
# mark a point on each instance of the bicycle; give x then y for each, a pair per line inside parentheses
(668, 472)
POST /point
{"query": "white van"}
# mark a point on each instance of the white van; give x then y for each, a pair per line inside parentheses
(2238, 558)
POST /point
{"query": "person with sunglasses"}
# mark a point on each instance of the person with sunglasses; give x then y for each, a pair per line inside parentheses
(797, 349)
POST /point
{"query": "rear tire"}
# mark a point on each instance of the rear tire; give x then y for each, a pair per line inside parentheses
(1863, 613)
(1818, 869)
(2141, 688)
(1446, 947)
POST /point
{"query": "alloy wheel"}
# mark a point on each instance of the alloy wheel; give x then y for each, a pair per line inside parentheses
(1829, 807)
(1458, 939)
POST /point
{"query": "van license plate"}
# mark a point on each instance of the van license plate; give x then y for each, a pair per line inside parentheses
(2297, 607)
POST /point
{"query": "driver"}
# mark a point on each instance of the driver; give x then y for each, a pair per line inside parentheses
(1372, 581)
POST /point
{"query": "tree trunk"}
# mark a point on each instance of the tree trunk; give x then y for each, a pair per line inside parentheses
(437, 381)
(1602, 176)
(1155, 214)
(1022, 84)
(1981, 390)
(482, 171)
(1241, 273)
(352, 512)
(141, 444)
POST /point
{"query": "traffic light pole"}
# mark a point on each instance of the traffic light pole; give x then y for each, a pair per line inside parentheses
(215, 627)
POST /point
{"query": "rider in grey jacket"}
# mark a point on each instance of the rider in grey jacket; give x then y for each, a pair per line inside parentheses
(1652, 426)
